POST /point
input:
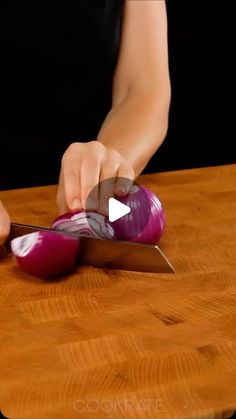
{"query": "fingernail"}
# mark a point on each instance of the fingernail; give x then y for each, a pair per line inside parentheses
(76, 204)
(122, 190)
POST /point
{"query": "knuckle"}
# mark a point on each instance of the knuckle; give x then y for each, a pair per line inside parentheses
(73, 147)
(96, 147)
(70, 151)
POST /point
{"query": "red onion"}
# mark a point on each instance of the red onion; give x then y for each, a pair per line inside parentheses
(146, 221)
(45, 254)
(85, 223)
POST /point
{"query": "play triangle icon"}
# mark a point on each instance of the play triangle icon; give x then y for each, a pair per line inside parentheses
(116, 209)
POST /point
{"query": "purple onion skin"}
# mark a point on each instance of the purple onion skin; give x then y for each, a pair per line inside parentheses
(51, 256)
(152, 232)
(156, 222)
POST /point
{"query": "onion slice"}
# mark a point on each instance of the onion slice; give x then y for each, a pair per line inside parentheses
(85, 223)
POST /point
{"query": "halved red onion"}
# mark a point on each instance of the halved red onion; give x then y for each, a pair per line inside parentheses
(146, 221)
(46, 254)
(85, 223)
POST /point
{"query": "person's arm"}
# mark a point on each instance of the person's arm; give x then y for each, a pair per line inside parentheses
(137, 123)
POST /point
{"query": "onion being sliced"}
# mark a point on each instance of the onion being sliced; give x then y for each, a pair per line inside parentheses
(45, 254)
(86, 223)
(146, 221)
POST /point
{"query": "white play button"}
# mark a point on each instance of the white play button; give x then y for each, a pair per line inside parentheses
(116, 209)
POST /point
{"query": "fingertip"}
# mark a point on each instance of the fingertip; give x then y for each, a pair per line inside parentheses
(71, 190)
(125, 180)
(121, 190)
(123, 186)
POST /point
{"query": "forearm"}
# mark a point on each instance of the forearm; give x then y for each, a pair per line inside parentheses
(137, 127)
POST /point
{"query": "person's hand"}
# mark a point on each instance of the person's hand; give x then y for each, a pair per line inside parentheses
(83, 166)
(4, 224)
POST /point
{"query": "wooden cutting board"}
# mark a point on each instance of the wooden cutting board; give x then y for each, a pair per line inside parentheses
(113, 344)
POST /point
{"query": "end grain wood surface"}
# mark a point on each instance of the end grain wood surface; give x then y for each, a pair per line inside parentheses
(113, 344)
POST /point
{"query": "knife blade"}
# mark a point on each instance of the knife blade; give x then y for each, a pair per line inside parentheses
(107, 253)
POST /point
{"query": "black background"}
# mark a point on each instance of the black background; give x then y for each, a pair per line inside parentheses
(201, 129)
(201, 125)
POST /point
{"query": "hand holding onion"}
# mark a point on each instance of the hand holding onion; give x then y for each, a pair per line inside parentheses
(48, 254)
(83, 166)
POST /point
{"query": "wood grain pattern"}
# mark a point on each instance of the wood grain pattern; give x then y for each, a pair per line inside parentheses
(115, 344)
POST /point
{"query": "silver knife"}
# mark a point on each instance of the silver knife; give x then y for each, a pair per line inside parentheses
(109, 253)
